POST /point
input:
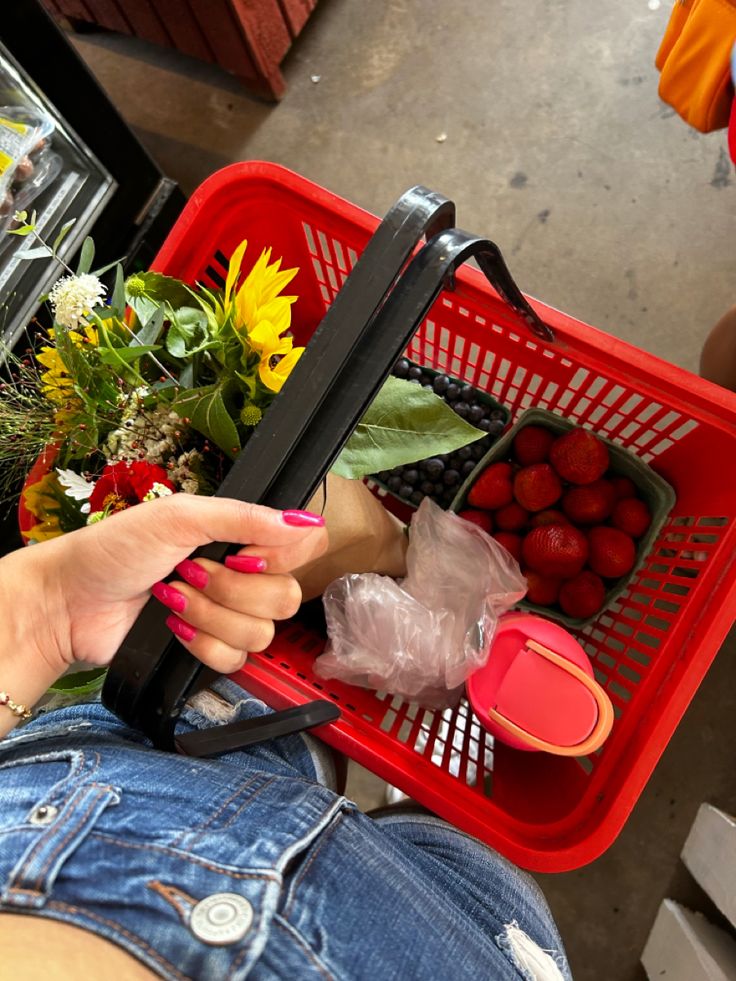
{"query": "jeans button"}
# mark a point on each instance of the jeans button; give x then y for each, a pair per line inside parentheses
(44, 814)
(221, 919)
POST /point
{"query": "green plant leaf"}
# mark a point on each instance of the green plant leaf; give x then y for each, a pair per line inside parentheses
(158, 288)
(148, 333)
(103, 269)
(117, 301)
(205, 408)
(74, 361)
(86, 256)
(404, 423)
(186, 375)
(127, 354)
(22, 231)
(187, 331)
(63, 232)
(38, 252)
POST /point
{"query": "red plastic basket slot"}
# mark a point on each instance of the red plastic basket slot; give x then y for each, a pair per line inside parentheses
(650, 651)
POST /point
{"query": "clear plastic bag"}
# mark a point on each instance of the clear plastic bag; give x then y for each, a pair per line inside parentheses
(420, 639)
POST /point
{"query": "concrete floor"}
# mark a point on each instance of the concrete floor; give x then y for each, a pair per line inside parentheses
(605, 204)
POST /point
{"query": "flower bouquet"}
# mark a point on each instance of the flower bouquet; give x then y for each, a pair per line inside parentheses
(152, 386)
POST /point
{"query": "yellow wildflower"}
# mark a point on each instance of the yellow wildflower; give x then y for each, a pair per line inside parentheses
(56, 383)
(39, 499)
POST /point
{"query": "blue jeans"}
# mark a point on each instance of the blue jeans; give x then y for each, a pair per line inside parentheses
(247, 866)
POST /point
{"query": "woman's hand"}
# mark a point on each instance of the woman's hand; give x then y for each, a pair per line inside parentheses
(75, 598)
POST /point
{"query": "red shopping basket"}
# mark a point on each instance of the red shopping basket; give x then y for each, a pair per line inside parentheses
(650, 650)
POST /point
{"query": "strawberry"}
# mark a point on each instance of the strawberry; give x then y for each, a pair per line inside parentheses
(493, 488)
(612, 552)
(579, 456)
(631, 516)
(582, 596)
(511, 542)
(532, 444)
(549, 517)
(555, 550)
(542, 590)
(590, 504)
(623, 487)
(511, 517)
(537, 487)
(481, 518)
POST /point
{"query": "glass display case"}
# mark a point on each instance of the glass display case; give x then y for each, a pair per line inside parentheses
(44, 167)
(80, 159)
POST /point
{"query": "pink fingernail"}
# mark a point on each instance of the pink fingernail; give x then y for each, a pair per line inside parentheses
(303, 519)
(180, 627)
(193, 574)
(245, 563)
(169, 596)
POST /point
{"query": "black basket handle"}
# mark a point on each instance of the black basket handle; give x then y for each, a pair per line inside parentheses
(152, 675)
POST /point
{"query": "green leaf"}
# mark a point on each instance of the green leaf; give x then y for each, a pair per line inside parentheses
(86, 256)
(143, 308)
(205, 408)
(405, 423)
(186, 375)
(148, 333)
(187, 331)
(103, 269)
(63, 232)
(22, 231)
(74, 361)
(118, 294)
(127, 354)
(39, 252)
(158, 288)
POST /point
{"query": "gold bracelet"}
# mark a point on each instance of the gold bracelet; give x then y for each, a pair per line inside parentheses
(22, 711)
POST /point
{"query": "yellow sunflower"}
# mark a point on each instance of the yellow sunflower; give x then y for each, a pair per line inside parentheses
(262, 314)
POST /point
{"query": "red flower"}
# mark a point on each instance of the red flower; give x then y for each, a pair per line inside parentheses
(122, 485)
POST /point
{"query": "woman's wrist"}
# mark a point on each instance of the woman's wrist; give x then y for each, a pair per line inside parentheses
(30, 656)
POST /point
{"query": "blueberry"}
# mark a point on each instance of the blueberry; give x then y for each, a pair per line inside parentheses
(411, 476)
(498, 414)
(476, 413)
(414, 381)
(405, 491)
(415, 372)
(401, 368)
(484, 424)
(468, 467)
(426, 487)
(467, 393)
(445, 457)
(441, 384)
(394, 483)
(417, 497)
(433, 467)
(439, 489)
(451, 478)
(496, 427)
(478, 451)
(462, 409)
(463, 453)
(430, 388)
(452, 392)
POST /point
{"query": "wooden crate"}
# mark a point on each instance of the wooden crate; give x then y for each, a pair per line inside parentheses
(249, 38)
